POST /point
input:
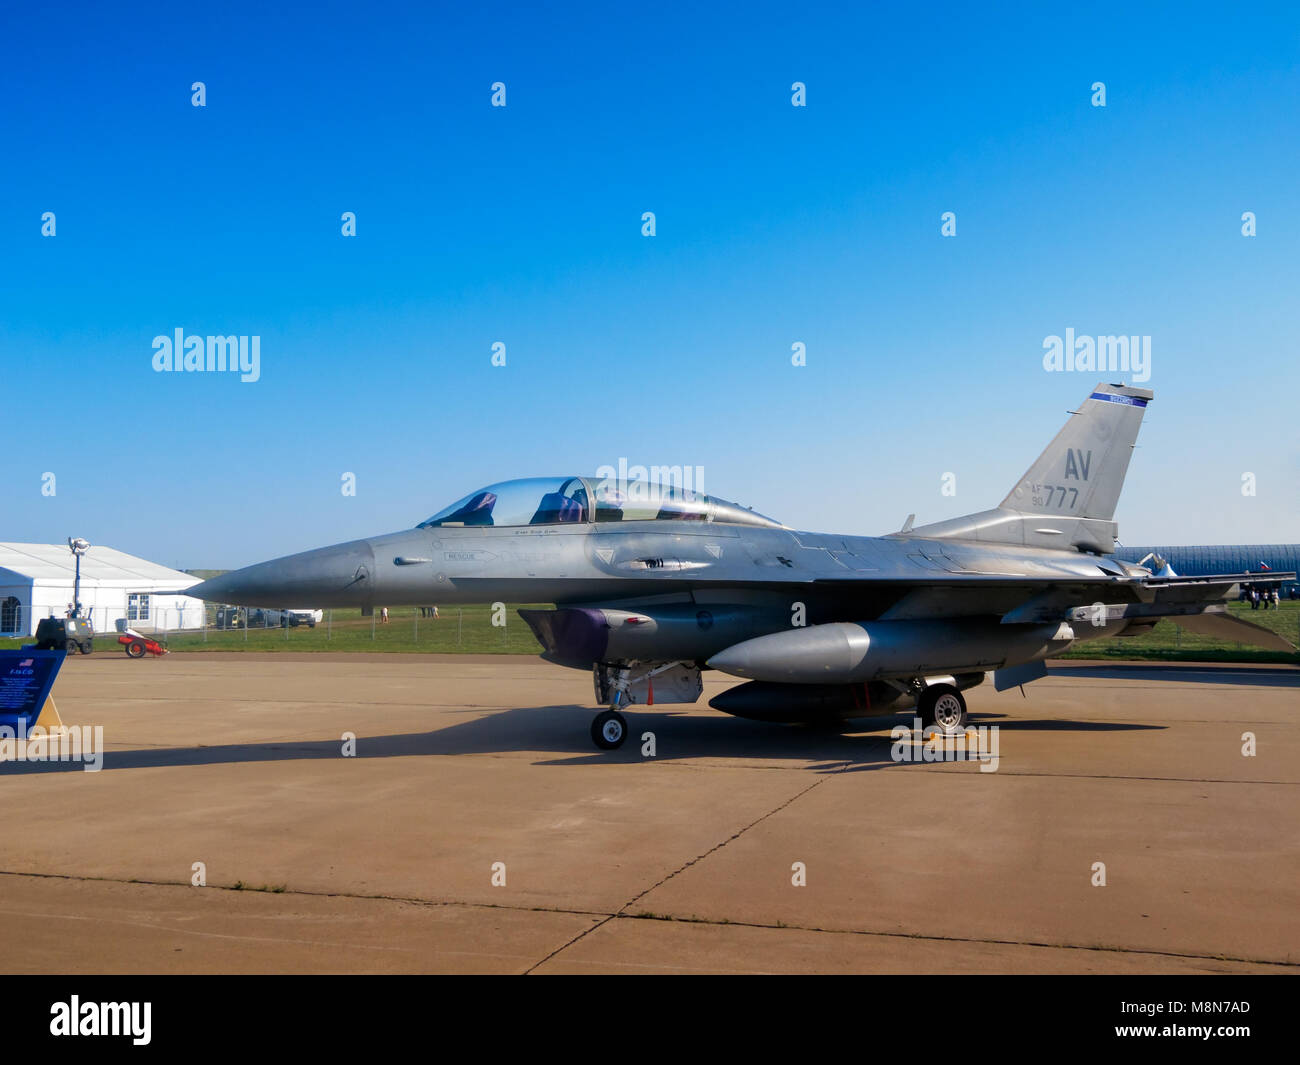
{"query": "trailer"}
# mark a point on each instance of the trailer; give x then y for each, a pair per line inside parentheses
(137, 645)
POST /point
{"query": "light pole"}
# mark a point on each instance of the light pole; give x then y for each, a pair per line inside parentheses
(78, 547)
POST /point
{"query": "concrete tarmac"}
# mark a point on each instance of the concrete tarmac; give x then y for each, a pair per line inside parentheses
(614, 862)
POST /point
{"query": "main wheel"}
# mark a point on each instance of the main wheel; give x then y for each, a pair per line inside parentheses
(943, 707)
(71, 647)
(135, 649)
(609, 730)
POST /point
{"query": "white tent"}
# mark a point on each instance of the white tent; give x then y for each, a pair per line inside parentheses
(36, 581)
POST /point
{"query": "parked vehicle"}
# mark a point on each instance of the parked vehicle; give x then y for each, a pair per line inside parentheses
(292, 618)
(235, 617)
(65, 634)
(230, 617)
(303, 617)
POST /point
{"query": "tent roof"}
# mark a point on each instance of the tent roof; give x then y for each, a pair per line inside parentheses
(55, 563)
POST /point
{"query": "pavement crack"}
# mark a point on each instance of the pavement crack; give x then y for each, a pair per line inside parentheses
(935, 937)
(622, 910)
(606, 916)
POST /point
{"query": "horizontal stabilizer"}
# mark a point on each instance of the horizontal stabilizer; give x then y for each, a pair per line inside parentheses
(1227, 627)
(1224, 579)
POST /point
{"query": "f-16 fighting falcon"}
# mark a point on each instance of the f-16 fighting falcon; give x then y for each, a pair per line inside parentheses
(653, 583)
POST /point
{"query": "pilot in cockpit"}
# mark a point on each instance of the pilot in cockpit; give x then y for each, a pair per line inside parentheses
(567, 505)
(476, 511)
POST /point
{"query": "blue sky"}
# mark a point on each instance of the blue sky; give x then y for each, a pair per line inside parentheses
(522, 224)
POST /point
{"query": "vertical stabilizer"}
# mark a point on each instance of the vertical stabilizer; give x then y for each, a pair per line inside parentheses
(1081, 472)
(1067, 498)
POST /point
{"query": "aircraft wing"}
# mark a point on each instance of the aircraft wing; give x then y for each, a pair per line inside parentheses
(1199, 604)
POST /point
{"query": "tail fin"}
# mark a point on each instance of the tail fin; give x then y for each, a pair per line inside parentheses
(1082, 471)
(1067, 497)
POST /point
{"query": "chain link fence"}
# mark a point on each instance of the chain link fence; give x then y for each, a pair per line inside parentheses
(18, 620)
(487, 628)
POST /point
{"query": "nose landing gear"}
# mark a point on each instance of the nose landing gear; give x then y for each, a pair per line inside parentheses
(609, 730)
(609, 727)
(629, 683)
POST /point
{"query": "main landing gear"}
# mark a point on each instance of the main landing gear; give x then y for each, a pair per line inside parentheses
(943, 707)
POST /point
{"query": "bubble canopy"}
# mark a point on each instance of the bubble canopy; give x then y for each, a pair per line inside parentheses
(583, 500)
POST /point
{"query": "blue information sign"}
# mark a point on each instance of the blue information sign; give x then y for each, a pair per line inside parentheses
(26, 677)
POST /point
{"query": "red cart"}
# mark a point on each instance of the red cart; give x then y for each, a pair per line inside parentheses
(137, 644)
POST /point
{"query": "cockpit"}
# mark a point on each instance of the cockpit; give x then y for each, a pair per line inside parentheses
(584, 500)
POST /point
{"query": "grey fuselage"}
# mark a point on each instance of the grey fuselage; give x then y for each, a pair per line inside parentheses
(636, 564)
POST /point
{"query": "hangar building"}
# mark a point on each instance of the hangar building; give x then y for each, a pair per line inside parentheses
(36, 581)
(1207, 560)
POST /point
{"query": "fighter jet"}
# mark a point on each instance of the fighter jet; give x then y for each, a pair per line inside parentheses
(653, 583)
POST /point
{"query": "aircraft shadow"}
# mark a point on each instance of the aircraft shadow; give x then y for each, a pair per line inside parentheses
(563, 732)
(1262, 677)
(1022, 724)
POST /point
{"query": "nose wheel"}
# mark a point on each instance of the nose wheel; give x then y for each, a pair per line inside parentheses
(609, 730)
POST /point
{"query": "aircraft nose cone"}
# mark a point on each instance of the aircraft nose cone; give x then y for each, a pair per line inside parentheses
(342, 575)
